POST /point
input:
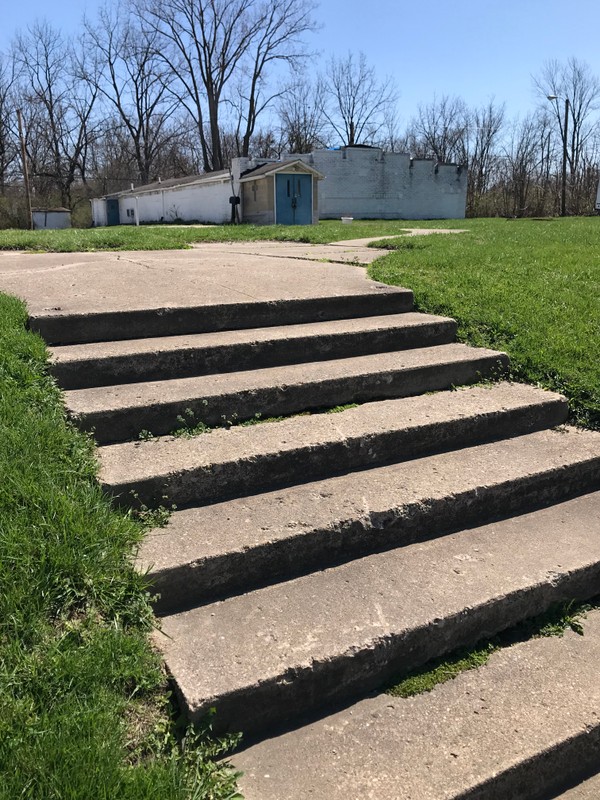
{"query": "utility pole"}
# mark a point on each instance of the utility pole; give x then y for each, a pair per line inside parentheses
(563, 199)
(25, 170)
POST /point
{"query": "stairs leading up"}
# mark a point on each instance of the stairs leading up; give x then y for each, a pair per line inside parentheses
(512, 729)
(118, 413)
(310, 559)
(83, 366)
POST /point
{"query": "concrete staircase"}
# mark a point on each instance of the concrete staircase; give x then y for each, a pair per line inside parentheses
(312, 559)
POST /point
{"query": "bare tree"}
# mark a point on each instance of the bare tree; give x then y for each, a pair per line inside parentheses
(300, 117)
(523, 168)
(482, 154)
(281, 26)
(8, 144)
(131, 78)
(440, 129)
(355, 102)
(573, 81)
(211, 45)
(57, 108)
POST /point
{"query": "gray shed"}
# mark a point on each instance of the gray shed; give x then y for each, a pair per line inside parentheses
(51, 218)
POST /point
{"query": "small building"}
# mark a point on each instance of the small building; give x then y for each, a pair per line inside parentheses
(360, 182)
(265, 192)
(278, 192)
(50, 218)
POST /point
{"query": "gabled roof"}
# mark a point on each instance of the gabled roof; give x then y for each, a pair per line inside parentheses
(278, 166)
(174, 183)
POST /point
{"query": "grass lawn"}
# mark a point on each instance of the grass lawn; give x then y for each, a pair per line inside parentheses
(171, 237)
(83, 706)
(529, 287)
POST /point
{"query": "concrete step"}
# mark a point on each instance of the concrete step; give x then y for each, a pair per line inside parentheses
(107, 363)
(118, 413)
(245, 460)
(366, 300)
(234, 545)
(510, 730)
(291, 648)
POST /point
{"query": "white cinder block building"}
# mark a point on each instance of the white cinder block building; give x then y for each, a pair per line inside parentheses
(197, 198)
(368, 183)
(360, 182)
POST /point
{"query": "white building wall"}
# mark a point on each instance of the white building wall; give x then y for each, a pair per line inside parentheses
(98, 212)
(370, 184)
(208, 202)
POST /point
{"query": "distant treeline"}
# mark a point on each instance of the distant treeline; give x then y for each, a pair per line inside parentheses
(166, 88)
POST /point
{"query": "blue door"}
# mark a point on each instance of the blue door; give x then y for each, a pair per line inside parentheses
(293, 199)
(112, 212)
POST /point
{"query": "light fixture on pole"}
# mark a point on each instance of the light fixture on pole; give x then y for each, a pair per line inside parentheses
(563, 196)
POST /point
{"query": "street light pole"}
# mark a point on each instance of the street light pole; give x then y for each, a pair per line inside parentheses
(563, 195)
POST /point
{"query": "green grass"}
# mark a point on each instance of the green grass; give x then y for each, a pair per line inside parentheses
(83, 708)
(554, 622)
(528, 287)
(166, 237)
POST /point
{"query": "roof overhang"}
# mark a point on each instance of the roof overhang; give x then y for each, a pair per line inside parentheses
(157, 187)
(297, 165)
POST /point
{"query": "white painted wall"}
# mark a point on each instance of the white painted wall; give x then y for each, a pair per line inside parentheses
(370, 184)
(203, 202)
(98, 212)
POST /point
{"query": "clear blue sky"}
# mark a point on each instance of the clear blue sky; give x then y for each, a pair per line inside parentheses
(473, 48)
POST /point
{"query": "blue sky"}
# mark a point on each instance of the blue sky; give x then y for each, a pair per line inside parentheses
(475, 49)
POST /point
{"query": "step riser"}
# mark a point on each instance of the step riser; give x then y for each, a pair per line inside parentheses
(190, 362)
(538, 778)
(149, 323)
(125, 424)
(357, 673)
(232, 573)
(242, 477)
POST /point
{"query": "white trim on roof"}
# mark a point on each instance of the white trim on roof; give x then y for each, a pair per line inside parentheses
(282, 167)
(168, 188)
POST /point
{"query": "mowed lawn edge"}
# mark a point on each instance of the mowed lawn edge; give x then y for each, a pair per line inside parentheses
(528, 287)
(173, 237)
(84, 708)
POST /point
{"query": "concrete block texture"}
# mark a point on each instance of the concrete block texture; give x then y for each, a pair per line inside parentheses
(511, 729)
(368, 183)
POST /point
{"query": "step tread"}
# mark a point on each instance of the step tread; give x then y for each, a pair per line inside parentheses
(327, 507)
(355, 437)
(82, 352)
(344, 626)
(512, 728)
(136, 395)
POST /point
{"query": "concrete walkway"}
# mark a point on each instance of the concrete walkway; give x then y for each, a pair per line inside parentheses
(210, 274)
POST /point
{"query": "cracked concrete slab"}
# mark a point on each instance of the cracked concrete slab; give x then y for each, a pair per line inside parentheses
(62, 283)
